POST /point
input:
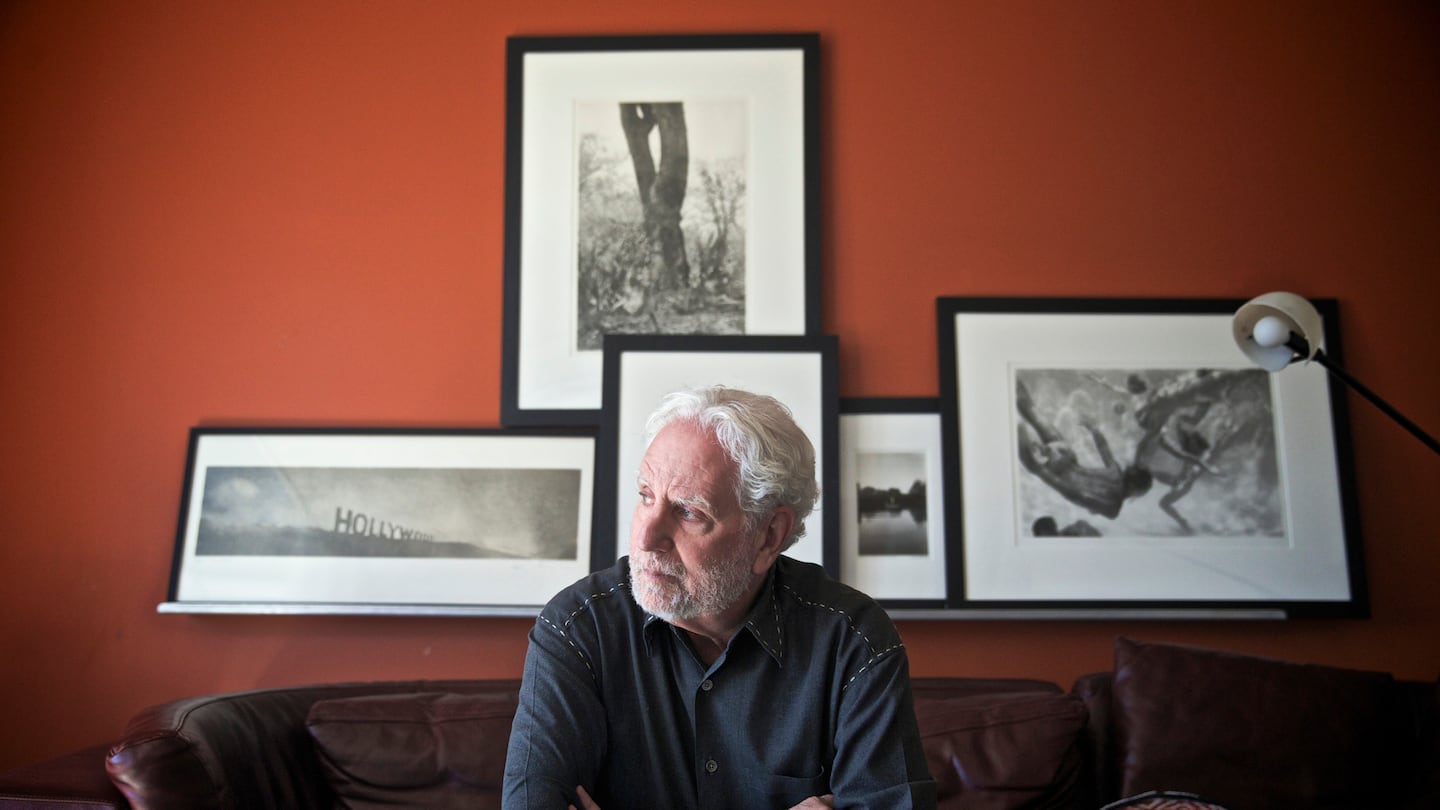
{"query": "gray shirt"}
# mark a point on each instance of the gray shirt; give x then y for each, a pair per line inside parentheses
(811, 696)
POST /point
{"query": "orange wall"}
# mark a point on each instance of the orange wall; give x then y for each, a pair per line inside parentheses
(290, 213)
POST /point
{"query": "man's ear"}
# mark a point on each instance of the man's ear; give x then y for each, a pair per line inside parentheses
(773, 535)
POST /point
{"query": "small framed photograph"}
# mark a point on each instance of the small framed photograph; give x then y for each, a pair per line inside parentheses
(654, 185)
(390, 521)
(1124, 452)
(892, 501)
(640, 370)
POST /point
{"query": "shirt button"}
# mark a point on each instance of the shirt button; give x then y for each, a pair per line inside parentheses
(711, 766)
(706, 685)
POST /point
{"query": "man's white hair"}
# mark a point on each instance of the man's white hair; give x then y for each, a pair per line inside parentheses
(776, 460)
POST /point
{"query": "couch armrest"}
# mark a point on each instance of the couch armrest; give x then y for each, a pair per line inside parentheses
(74, 781)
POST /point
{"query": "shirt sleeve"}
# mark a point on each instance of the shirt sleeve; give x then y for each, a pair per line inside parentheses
(879, 763)
(558, 736)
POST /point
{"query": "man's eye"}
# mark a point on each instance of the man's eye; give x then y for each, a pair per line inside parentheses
(645, 497)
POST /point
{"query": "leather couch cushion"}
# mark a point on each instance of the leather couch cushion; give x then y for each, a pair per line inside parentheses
(433, 750)
(1001, 751)
(1253, 732)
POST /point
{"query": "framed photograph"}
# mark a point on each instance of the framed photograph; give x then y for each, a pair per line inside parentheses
(1125, 453)
(654, 185)
(640, 370)
(892, 500)
(393, 521)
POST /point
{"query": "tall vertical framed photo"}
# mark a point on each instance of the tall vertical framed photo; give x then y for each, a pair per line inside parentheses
(654, 185)
(282, 520)
(1124, 453)
(892, 507)
(640, 370)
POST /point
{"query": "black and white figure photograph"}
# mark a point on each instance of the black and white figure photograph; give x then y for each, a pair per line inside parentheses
(891, 504)
(1147, 453)
(1126, 452)
(349, 512)
(661, 217)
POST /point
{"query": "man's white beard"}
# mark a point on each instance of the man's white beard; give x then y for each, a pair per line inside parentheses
(696, 593)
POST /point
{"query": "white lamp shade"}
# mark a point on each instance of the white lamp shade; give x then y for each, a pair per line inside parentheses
(1293, 312)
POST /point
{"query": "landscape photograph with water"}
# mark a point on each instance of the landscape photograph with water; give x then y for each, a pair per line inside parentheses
(890, 495)
(1147, 452)
(661, 208)
(390, 512)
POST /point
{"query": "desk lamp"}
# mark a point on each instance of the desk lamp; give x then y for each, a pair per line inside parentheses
(1278, 328)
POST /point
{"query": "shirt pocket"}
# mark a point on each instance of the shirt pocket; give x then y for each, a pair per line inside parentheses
(787, 791)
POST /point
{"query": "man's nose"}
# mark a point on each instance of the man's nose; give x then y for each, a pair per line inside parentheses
(648, 529)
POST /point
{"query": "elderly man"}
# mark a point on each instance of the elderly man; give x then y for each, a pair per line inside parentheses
(706, 670)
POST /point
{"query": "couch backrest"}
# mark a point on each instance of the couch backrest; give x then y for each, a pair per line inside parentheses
(991, 744)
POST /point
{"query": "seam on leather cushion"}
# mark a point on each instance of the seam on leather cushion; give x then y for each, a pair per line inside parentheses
(443, 743)
(1012, 748)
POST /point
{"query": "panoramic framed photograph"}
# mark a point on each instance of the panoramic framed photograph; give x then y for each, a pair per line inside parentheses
(1124, 452)
(640, 370)
(654, 185)
(892, 500)
(412, 520)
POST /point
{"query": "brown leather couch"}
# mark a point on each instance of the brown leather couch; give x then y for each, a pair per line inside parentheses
(1246, 733)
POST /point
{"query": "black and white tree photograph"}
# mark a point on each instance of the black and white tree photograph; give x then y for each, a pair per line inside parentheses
(891, 503)
(390, 512)
(654, 186)
(661, 217)
(1147, 452)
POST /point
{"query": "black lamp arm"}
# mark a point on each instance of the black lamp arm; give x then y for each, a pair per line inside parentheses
(1302, 350)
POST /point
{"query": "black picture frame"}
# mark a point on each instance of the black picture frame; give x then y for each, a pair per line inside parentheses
(895, 551)
(551, 373)
(382, 520)
(800, 371)
(1264, 526)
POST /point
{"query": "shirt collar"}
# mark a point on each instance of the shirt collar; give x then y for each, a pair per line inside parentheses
(763, 621)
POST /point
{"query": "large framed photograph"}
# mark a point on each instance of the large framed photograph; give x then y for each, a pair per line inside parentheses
(892, 507)
(640, 370)
(1125, 453)
(381, 521)
(653, 185)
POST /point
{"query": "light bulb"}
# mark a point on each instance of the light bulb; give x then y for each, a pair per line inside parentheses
(1271, 331)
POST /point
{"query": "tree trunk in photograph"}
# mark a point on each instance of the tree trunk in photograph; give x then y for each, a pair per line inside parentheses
(662, 187)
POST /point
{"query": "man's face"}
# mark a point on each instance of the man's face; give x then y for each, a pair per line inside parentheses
(690, 552)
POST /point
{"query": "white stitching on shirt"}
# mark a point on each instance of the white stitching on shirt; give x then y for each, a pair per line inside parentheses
(876, 657)
(874, 654)
(779, 631)
(569, 620)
